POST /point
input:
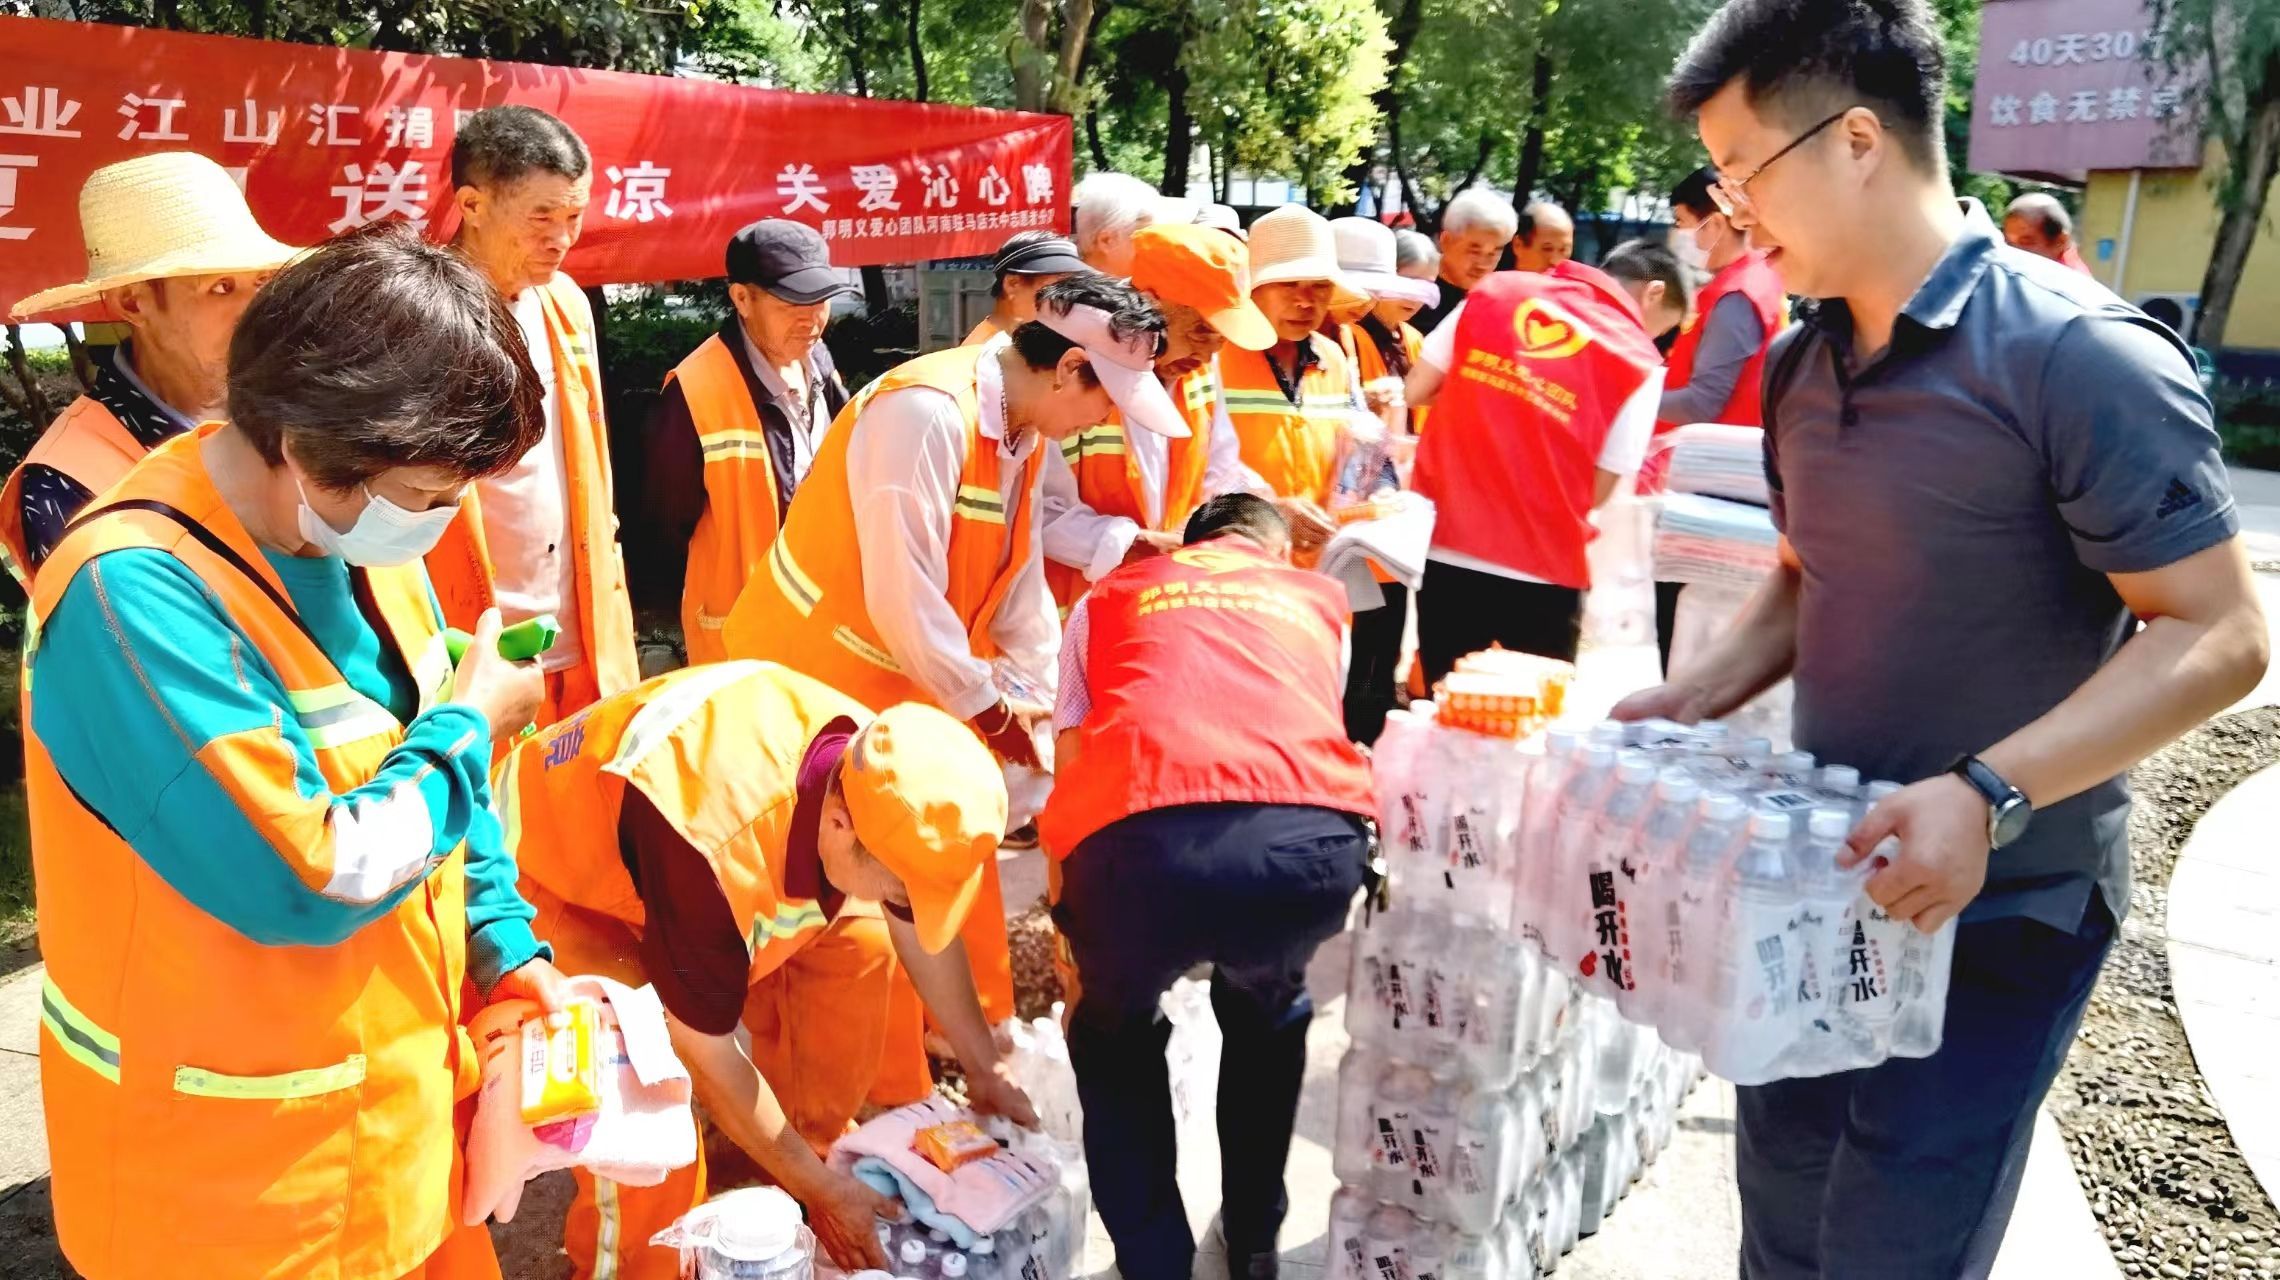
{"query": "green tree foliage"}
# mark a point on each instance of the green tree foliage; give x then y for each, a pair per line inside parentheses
(1288, 85)
(2233, 48)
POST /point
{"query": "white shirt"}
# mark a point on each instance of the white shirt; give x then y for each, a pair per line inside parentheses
(1082, 538)
(1620, 454)
(802, 405)
(904, 455)
(526, 512)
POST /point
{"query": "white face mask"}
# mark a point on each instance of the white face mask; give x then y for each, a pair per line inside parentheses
(1690, 249)
(384, 534)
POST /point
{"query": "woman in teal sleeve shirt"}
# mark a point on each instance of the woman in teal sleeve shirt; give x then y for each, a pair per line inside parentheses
(370, 384)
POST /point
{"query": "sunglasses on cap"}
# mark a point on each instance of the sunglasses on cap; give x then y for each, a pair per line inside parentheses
(1732, 196)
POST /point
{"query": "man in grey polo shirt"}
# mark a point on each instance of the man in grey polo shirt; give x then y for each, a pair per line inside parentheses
(1987, 470)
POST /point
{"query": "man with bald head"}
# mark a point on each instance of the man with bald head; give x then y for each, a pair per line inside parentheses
(1546, 237)
(2039, 224)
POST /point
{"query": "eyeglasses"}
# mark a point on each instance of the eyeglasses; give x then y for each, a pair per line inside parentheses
(1733, 197)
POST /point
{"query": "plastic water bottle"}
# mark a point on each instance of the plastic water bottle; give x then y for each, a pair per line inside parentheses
(1824, 892)
(952, 1265)
(1562, 912)
(915, 1259)
(1428, 1256)
(1924, 967)
(1689, 911)
(1358, 1075)
(1478, 1179)
(1606, 923)
(1435, 1128)
(1533, 854)
(1757, 975)
(1607, 733)
(1662, 845)
(1473, 846)
(1414, 843)
(1349, 1215)
(1385, 1243)
(1469, 1256)
(1393, 1121)
(1495, 990)
(1840, 781)
(1793, 770)
(1528, 1142)
(984, 1259)
(1441, 949)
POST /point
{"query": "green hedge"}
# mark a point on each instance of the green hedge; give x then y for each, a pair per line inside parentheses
(2248, 422)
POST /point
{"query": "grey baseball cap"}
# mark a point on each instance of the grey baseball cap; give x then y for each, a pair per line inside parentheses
(789, 259)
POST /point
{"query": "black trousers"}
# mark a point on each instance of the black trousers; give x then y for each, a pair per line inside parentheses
(1253, 890)
(1370, 689)
(1460, 611)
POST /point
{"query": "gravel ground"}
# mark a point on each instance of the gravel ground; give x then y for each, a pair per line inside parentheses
(2171, 1190)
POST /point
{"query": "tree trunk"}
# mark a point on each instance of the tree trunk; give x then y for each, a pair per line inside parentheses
(917, 52)
(1030, 67)
(1179, 132)
(1077, 24)
(30, 401)
(1532, 144)
(2253, 168)
(875, 297)
(855, 67)
(1092, 140)
(82, 364)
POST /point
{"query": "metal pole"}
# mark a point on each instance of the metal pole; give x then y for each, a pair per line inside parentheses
(2129, 225)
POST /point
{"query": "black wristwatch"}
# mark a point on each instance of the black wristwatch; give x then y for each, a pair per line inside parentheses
(2008, 812)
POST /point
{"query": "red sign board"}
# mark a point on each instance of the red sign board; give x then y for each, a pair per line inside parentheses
(327, 139)
(2067, 86)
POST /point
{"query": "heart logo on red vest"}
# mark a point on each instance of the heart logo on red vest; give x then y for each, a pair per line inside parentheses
(1546, 332)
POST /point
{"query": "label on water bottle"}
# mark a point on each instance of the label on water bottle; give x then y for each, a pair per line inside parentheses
(1424, 1160)
(1864, 948)
(1611, 932)
(1386, 1265)
(1398, 996)
(1392, 1151)
(1787, 801)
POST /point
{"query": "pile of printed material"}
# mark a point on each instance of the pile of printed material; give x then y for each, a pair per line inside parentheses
(1580, 920)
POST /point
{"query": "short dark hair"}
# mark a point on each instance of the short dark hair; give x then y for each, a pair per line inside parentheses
(1693, 192)
(1018, 240)
(1805, 59)
(1640, 261)
(1130, 315)
(379, 350)
(1245, 513)
(498, 146)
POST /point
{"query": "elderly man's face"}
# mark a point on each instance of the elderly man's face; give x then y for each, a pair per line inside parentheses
(1468, 256)
(784, 331)
(184, 325)
(1552, 244)
(1295, 307)
(1189, 340)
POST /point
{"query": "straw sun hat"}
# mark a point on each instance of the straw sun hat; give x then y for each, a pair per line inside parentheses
(156, 217)
(1296, 243)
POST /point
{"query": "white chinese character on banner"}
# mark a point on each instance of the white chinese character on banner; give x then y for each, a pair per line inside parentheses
(2003, 109)
(994, 190)
(941, 186)
(2042, 109)
(2124, 103)
(830, 229)
(325, 125)
(2166, 101)
(878, 227)
(800, 188)
(642, 195)
(2082, 105)
(40, 113)
(9, 166)
(2069, 48)
(877, 182)
(1037, 183)
(384, 191)
(132, 108)
(411, 126)
(252, 130)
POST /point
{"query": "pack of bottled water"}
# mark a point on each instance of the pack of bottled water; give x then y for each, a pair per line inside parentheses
(1579, 922)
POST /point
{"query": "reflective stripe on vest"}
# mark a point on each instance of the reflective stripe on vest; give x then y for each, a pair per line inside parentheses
(337, 714)
(683, 698)
(293, 1084)
(89, 1045)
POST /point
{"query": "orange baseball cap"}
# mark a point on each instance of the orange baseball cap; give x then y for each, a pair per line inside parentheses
(927, 799)
(1204, 268)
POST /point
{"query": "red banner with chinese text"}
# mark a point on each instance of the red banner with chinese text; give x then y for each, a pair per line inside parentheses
(326, 139)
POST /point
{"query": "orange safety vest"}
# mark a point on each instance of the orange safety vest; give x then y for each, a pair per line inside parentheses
(1294, 448)
(217, 1107)
(460, 565)
(85, 442)
(717, 749)
(807, 609)
(739, 522)
(1108, 480)
(1175, 640)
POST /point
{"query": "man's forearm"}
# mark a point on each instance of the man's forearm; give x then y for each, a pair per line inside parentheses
(945, 985)
(739, 1100)
(2166, 680)
(1754, 656)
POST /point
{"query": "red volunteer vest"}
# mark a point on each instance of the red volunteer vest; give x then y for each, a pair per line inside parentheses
(1750, 277)
(1176, 640)
(1544, 361)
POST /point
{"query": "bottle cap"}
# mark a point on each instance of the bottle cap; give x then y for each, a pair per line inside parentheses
(754, 1224)
(1560, 741)
(913, 1252)
(985, 1246)
(1797, 762)
(1713, 730)
(1636, 769)
(953, 1265)
(1765, 825)
(1676, 786)
(1840, 777)
(1831, 823)
(1723, 806)
(1598, 755)
(1609, 732)
(1878, 790)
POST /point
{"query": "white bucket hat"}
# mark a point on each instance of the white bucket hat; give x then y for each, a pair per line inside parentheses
(156, 217)
(1366, 254)
(1296, 243)
(1126, 368)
